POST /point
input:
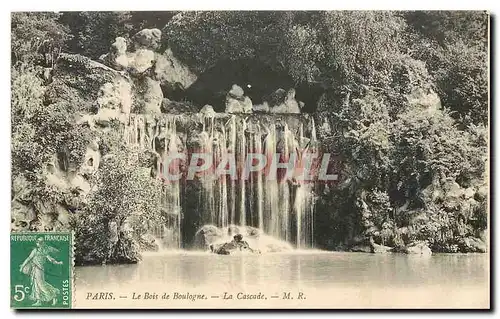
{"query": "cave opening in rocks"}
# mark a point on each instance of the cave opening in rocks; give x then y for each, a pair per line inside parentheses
(257, 79)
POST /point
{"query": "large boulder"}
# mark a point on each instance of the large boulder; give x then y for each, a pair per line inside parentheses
(172, 74)
(379, 249)
(418, 248)
(117, 56)
(147, 39)
(140, 61)
(472, 245)
(150, 96)
(236, 102)
(207, 235)
(77, 79)
(114, 102)
(207, 110)
(289, 105)
(233, 247)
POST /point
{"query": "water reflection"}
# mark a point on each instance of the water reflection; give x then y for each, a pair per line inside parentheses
(290, 270)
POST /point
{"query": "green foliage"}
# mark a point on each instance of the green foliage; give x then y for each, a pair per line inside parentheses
(39, 131)
(94, 31)
(329, 47)
(445, 27)
(37, 37)
(454, 44)
(463, 82)
(410, 178)
(126, 194)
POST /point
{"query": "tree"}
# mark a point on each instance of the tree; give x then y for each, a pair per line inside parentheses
(125, 194)
(94, 31)
(37, 37)
(454, 44)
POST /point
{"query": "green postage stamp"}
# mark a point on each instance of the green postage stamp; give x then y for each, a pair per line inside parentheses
(41, 268)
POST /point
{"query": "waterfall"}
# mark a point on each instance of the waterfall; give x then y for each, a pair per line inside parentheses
(280, 207)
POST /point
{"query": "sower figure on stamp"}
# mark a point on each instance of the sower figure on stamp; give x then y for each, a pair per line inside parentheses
(34, 266)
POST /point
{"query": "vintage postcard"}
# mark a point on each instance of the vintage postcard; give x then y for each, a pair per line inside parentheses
(250, 159)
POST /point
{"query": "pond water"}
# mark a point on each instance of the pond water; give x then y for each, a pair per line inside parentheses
(327, 279)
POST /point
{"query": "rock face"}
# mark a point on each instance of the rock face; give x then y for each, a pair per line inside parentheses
(174, 107)
(172, 74)
(77, 79)
(143, 59)
(472, 245)
(114, 102)
(150, 96)
(140, 61)
(361, 248)
(289, 104)
(117, 56)
(147, 39)
(236, 102)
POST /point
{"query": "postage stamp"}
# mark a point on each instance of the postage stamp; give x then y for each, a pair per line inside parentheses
(41, 268)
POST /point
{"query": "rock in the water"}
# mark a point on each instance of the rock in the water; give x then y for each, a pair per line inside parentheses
(472, 245)
(418, 248)
(207, 235)
(379, 249)
(218, 237)
(147, 39)
(148, 242)
(361, 248)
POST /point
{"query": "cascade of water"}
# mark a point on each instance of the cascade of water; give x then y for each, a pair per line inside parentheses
(258, 184)
(281, 207)
(232, 152)
(172, 191)
(242, 152)
(271, 198)
(220, 153)
(304, 196)
(206, 177)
